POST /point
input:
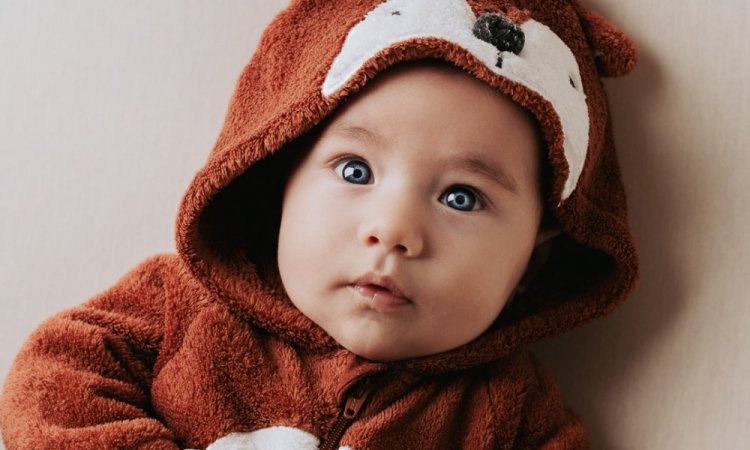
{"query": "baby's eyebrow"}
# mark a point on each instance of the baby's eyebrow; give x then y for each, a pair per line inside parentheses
(475, 163)
(359, 133)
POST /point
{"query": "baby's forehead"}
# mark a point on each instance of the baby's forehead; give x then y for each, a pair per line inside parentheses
(427, 89)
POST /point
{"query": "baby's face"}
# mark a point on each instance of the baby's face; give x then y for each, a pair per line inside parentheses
(410, 222)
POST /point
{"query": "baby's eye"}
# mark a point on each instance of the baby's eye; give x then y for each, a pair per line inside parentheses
(354, 171)
(462, 199)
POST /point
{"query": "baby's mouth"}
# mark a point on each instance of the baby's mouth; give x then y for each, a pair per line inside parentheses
(382, 292)
(380, 282)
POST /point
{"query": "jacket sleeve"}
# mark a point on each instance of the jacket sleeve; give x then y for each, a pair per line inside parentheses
(82, 379)
(546, 423)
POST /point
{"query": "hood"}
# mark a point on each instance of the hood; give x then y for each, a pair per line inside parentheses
(546, 55)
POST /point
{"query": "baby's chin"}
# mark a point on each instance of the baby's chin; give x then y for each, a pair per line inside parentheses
(387, 344)
(379, 355)
(386, 352)
(372, 349)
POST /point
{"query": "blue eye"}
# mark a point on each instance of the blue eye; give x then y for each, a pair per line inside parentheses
(354, 171)
(461, 198)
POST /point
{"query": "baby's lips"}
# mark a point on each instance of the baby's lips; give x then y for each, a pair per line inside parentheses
(381, 282)
(371, 290)
(381, 299)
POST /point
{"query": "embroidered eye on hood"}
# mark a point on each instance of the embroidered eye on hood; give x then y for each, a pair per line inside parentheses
(547, 56)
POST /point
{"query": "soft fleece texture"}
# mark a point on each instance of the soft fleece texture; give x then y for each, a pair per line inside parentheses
(203, 348)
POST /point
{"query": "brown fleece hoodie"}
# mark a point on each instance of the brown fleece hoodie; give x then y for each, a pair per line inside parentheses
(204, 349)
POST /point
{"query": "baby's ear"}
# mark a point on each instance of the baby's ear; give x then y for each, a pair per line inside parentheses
(614, 51)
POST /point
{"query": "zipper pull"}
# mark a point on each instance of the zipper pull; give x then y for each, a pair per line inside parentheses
(352, 407)
(356, 400)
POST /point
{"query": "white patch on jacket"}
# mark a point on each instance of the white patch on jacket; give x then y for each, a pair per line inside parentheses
(272, 438)
(545, 65)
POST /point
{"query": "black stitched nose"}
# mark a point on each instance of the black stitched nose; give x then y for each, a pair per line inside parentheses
(500, 32)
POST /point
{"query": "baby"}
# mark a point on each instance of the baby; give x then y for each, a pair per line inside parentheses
(404, 196)
(419, 186)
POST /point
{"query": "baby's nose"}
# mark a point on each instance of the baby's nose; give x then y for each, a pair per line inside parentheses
(396, 227)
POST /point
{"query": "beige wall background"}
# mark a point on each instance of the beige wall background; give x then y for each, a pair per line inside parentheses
(107, 108)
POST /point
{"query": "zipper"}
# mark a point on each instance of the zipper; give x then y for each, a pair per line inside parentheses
(353, 405)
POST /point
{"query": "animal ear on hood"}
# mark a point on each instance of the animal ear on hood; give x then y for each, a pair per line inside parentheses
(614, 52)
